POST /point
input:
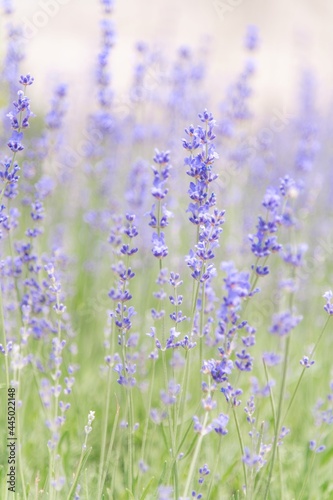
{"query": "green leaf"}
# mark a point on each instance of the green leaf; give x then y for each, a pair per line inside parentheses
(145, 491)
(130, 494)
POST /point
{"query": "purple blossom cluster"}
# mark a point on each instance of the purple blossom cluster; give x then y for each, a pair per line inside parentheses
(201, 148)
(174, 340)
(208, 366)
(219, 425)
(54, 118)
(279, 213)
(120, 294)
(328, 307)
(159, 215)
(19, 119)
(284, 322)
(103, 77)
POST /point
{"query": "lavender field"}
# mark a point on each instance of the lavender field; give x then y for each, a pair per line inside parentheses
(166, 271)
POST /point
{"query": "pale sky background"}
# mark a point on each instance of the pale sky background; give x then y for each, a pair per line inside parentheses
(295, 34)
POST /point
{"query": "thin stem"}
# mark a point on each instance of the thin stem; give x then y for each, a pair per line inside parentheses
(20, 461)
(304, 369)
(195, 458)
(307, 477)
(83, 455)
(184, 385)
(130, 439)
(110, 449)
(278, 420)
(2, 319)
(241, 445)
(275, 427)
(270, 396)
(150, 397)
(202, 314)
(53, 450)
(36, 486)
(107, 407)
(216, 464)
(171, 429)
(195, 298)
(256, 487)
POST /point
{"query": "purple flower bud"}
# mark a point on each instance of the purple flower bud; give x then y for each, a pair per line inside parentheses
(26, 80)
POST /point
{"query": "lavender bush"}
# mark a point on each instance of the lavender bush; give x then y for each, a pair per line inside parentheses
(165, 295)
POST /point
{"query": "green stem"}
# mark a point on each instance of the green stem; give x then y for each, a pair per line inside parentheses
(150, 397)
(110, 449)
(216, 465)
(130, 439)
(78, 470)
(304, 369)
(202, 314)
(103, 447)
(241, 445)
(279, 412)
(53, 452)
(275, 426)
(183, 394)
(195, 458)
(270, 396)
(307, 477)
(20, 461)
(171, 428)
(195, 299)
(2, 319)
(257, 484)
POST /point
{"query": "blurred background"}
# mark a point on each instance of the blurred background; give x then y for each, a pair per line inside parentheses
(62, 41)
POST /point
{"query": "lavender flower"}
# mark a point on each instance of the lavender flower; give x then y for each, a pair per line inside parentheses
(252, 37)
(170, 397)
(103, 120)
(250, 410)
(294, 256)
(159, 215)
(237, 288)
(251, 460)
(284, 322)
(328, 307)
(264, 391)
(271, 358)
(255, 460)
(122, 313)
(185, 76)
(138, 188)
(108, 5)
(55, 116)
(306, 362)
(307, 128)
(165, 493)
(235, 108)
(209, 220)
(203, 471)
(202, 156)
(19, 118)
(103, 76)
(14, 55)
(263, 243)
(7, 6)
(315, 448)
(231, 395)
(284, 432)
(219, 424)
(219, 370)
(159, 248)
